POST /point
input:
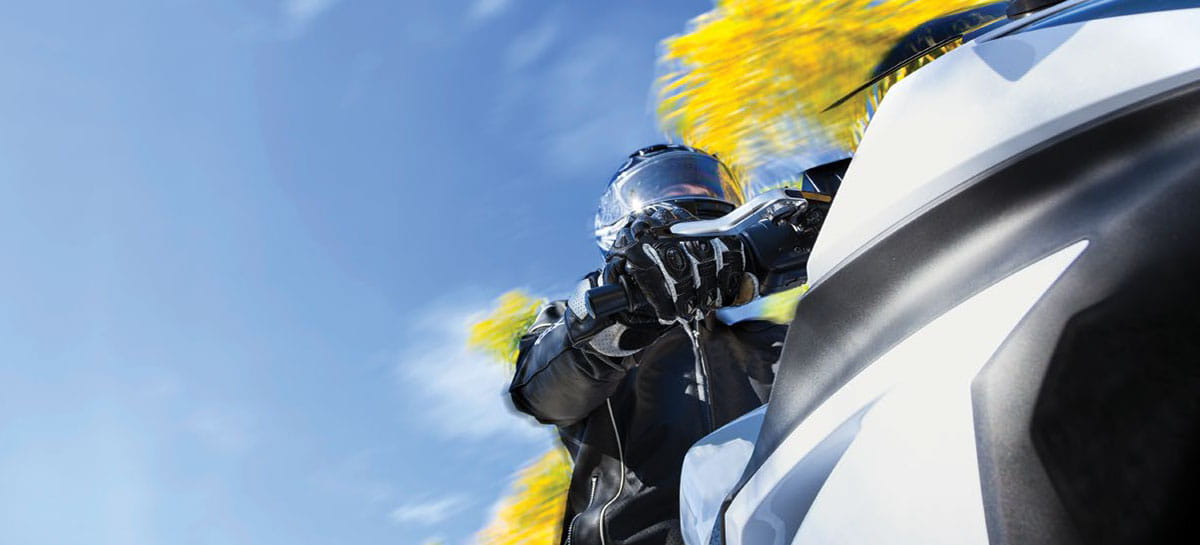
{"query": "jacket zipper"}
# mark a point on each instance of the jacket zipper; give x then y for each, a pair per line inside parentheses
(621, 457)
(702, 369)
(591, 498)
(692, 330)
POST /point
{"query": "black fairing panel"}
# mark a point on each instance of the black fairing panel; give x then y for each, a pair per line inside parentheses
(1117, 422)
(1097, 392)
(1130, 185)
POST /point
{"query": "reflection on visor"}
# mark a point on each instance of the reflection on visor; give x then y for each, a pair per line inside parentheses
(667, 177)
(681, 190)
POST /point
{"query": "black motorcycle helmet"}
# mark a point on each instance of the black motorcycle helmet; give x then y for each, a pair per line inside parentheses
(684, 176)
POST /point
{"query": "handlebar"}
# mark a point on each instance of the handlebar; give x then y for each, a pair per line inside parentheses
(609, 299)
(778, 229)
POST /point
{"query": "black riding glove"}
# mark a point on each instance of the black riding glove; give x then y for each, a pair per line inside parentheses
(679, 280)
(617, 336)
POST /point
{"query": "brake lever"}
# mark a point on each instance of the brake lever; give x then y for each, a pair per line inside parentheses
(777, 227)
(771, 206)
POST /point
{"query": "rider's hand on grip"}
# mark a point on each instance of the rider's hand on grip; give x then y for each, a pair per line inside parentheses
(678, 279)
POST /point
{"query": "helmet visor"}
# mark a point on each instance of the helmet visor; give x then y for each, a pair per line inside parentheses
(669, 177)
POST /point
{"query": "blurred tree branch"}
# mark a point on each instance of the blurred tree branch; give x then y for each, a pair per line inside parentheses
(532, 511)
(751, 79)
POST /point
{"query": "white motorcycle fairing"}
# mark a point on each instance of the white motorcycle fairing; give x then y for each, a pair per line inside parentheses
(873, 433)
(998, 345)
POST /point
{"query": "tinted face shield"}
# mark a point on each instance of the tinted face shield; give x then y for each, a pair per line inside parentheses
(693, 180)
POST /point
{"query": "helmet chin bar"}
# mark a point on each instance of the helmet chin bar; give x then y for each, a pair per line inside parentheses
(704, 208)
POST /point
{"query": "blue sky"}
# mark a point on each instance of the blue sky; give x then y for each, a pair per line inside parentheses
(240, 241)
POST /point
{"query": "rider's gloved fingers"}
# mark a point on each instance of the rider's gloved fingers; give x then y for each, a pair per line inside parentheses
(673, 263)
(704, 274)
(731, 273)
(747, 288)
(657, 289)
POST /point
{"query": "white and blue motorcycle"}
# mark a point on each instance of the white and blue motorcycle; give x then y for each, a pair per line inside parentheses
(1001, 343)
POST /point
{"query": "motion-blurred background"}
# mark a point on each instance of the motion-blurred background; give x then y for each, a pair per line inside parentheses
(243, 243)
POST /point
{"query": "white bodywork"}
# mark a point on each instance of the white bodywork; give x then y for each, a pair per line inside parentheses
(900, 434)
(989, 100)
(711, 469)
(890, 457)
(905, 433)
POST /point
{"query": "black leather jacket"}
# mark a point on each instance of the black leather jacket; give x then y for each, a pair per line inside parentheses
(628, 422)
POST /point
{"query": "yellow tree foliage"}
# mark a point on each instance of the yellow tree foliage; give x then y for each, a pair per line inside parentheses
(751, 78)
(781, 307)
(499, 333)
(532, 511)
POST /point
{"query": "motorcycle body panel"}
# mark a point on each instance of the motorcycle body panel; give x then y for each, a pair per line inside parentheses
(989, 100)
(994, 349)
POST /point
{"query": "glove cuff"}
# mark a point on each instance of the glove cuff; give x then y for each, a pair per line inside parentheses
(620, 340)
(608, 342)
(581, 326)
(578, 300)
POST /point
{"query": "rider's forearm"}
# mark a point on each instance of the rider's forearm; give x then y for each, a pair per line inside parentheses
(556, 382)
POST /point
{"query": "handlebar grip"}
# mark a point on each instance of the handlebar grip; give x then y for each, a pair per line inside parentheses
(604, 301)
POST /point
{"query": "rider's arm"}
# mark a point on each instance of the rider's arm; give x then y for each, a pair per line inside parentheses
(555, 381)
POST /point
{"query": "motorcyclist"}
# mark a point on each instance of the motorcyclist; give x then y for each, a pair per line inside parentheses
(630, 394)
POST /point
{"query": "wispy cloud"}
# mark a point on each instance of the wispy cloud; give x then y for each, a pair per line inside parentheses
(223, 429)
(484, 10)
(531, 45)
(460, 392)
(355, 477)
(299, 14)
(427, 512)
(571, 100)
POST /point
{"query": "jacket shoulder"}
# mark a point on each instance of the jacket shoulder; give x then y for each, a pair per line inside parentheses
(547, 316)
